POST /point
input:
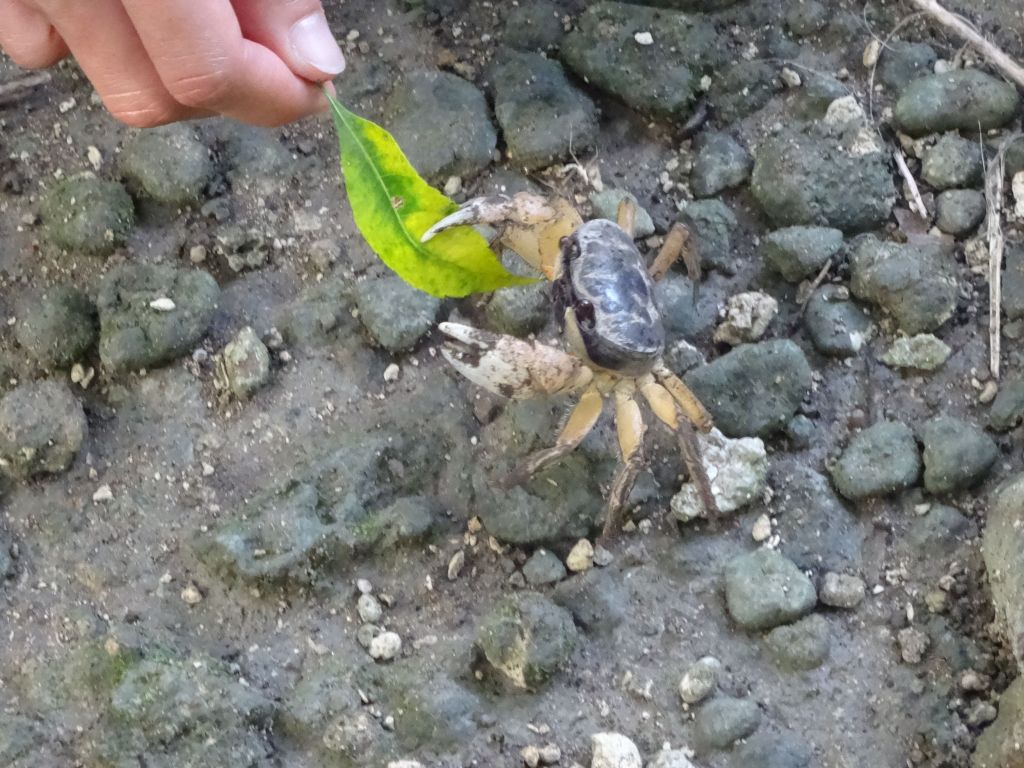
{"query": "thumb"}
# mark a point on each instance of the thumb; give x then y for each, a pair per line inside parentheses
(297, 32)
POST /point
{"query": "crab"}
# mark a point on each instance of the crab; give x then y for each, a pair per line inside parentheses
(612, 331)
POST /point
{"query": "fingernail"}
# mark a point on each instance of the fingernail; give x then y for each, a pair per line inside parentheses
(313, 42)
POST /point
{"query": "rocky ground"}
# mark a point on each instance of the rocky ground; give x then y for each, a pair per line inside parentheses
(249, 516)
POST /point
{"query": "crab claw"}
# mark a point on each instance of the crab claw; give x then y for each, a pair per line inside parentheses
(479, 210)
(512, 367)
(531, 225)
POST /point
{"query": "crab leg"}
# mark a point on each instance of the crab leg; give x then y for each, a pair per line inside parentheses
(629, 423)
(678, 245)
(692, 407)
(531, 225)
(581, 421)
(512, 367)
(667, 410)
(626, 217)
(689, 448)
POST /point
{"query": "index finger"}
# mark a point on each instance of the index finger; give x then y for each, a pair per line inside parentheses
(204, 61)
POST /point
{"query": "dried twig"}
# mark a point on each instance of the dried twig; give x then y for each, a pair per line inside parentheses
(18, 89)
(807, 293)
(995, 178)
(883, 44)
(995, 55)
(916, 203)
(815, 285)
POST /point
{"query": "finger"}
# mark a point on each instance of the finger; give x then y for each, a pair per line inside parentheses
(205, 63)
(27, 36)
(297, 31)
(112, 56)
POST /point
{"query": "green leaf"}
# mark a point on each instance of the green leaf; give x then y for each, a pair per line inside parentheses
(393, 207)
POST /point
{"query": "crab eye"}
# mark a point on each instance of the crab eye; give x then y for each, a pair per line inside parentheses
(585, 315)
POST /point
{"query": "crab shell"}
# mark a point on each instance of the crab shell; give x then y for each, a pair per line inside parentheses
(605, 297)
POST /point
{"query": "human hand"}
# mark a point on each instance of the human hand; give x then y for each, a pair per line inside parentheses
(159, 61)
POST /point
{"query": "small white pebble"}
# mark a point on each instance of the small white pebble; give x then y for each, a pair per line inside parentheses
(456, 564)
(974, 681)
(644, 38)
(762, 528)
(700, 680)
(162, 304)
(581, 556)
(530, 755)
(871, 53)
(95, 157)
(103, 494)
(989, 391)
(613, 750)
(790, 78)
(364, 586)
(913, 644)
(392, 372)
(81, 375)
(550, 754)
(191, 594)
(385, 646)
(840, 590)
(453, 186)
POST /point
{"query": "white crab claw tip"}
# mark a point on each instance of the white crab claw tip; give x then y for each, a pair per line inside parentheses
(462, 217)
(463, 333)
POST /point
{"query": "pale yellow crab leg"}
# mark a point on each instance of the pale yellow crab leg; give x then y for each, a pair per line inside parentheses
(531, 225)
(692, 407)
(666, 409)
(661, 401)
(626, 217)
(629, 423)
(678, 245)
(581, 421)
(511, 367)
